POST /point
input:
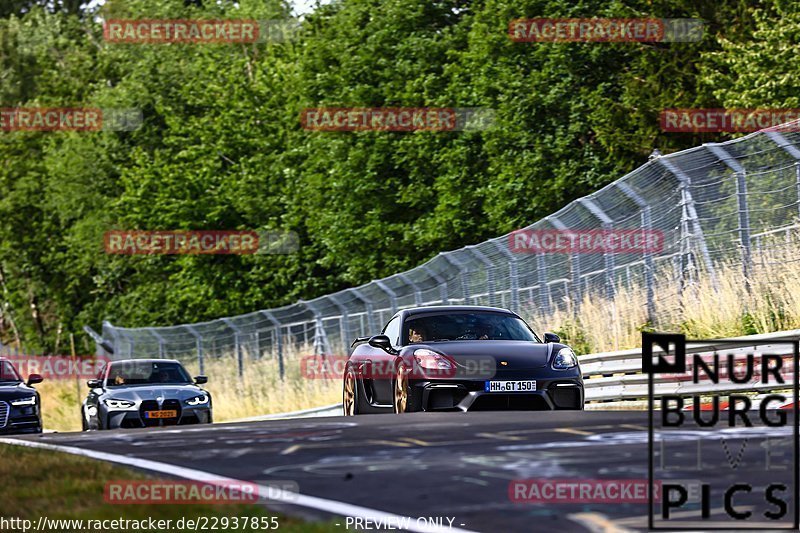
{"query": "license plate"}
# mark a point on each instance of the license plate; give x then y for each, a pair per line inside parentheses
(509, 386)
(161, 414)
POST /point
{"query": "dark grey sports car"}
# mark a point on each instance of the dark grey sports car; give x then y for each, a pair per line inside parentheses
(460, 358)
(137, 393)
(20, 406)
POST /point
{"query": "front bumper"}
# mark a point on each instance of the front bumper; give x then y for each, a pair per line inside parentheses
(23, 419)
(469, 395)
(187, 415)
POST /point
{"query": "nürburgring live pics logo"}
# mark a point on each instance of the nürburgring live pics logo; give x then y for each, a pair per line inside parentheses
(723, 412)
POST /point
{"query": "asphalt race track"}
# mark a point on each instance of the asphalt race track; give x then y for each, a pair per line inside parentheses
(418, 465)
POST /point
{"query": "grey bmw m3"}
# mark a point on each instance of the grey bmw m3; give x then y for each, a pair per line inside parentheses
(136, 393)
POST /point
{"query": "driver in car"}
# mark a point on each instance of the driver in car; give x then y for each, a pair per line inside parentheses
(416, 333)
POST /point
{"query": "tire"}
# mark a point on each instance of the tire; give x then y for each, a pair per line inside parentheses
(400, 394)
(84, 427)
(350, 393)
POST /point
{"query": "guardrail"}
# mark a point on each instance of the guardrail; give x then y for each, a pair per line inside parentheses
(617, 376)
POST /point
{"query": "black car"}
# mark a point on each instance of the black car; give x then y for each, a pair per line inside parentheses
(460, 358)
(20, 405)
(136, 393)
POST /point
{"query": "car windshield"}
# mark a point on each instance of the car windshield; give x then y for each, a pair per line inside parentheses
(8, 372)
(476, 326)
(125, 373)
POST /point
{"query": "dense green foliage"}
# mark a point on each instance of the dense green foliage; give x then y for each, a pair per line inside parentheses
(222, 147)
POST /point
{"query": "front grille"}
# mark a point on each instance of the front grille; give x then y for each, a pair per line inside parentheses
(446, 398)
(509, 402)
(172, 405)
(148, 405)
(152, 405)
(566, 397)
(3, 414)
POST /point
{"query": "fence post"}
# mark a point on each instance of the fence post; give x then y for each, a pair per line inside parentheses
(368, 308)
(513, 272)
(686, 262)
(608, 256)
(743, 212)
(389, 292)
(489, 267)
(691, 214)
(321, 345)
(463, 273)
(109, 328)
(278, 340)
(408, 281)
(102, 345)
(344, 323)
(198, 339)
(160, 339)
(649, 266)
(443, 293)
(237, 345)
(794, 152)
(544, 288)
(574, 266)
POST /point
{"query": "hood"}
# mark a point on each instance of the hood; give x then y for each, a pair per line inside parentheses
(518, 355)
(153, 392)
(12, 391)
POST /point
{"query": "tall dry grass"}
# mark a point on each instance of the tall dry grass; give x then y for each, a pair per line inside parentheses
(772, 303)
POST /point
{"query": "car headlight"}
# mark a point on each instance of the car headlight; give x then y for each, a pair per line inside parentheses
(24, 401)
(432, 360)
(198, 400)
(565, 358)
(119, 404)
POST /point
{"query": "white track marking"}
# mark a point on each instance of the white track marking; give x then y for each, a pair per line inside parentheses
(278, 496)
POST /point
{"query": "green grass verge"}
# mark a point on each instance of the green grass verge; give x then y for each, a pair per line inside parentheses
(64, 486)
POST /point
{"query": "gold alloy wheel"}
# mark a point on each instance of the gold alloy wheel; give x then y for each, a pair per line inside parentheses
(401, 390)
(349, 394)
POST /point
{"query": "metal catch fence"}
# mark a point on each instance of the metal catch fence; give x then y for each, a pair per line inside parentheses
(729, 202)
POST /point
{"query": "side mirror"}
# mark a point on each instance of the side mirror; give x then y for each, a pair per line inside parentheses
(94, 383)
(33, 379)
(551, 337)
(383, 342)
(200, 380)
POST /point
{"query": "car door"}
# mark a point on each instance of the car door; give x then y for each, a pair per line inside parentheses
(382, 365)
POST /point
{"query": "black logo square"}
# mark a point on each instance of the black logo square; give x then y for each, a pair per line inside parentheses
(671, 344)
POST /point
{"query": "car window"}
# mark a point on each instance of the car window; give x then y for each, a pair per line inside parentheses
(392, 330)
(471, 326)
(127, 373)
(8, 372)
